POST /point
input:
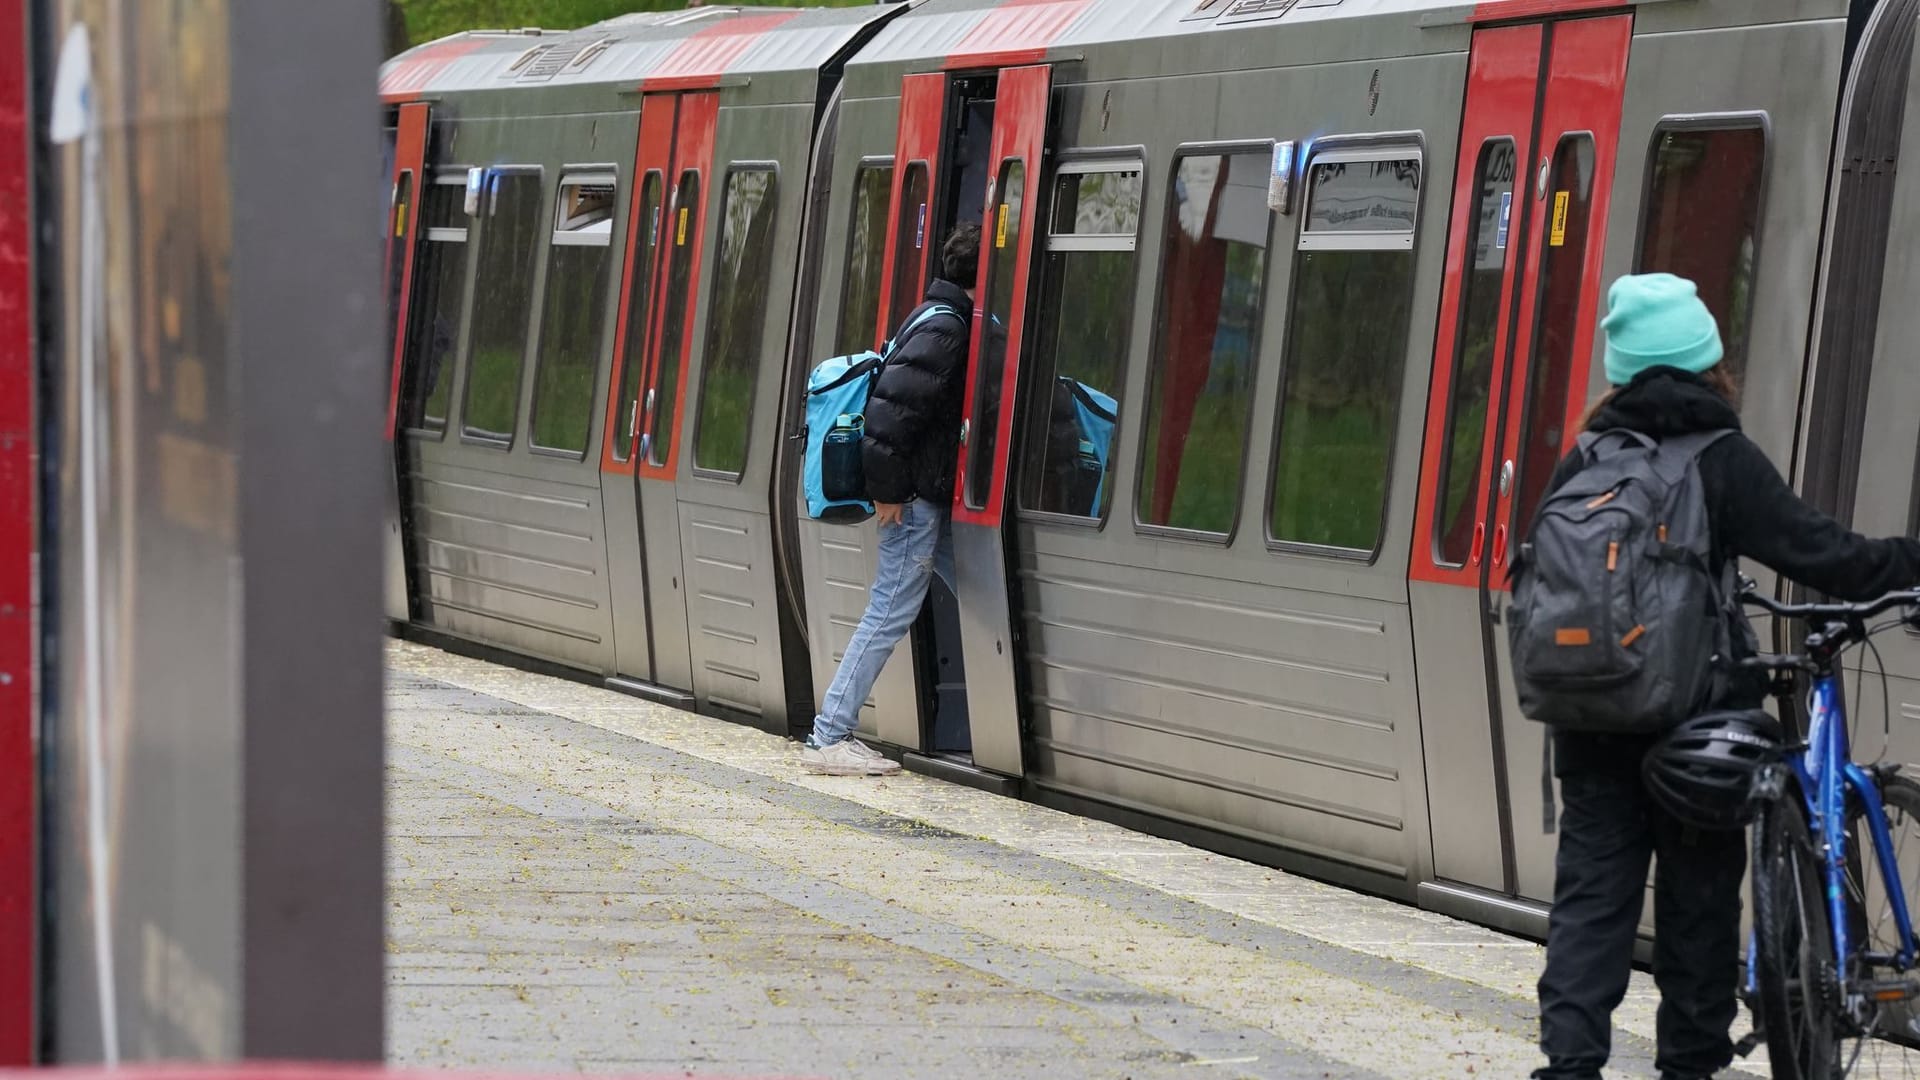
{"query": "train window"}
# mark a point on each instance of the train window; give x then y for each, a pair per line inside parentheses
(664, 394)
(738, 314)
(1489, 238)
(396, 250)
(911, 237)
(1002, 263)
(502, 303)
(633, 353)
(1200, 393)
(573, 316)
(1085, 315)
(1558, 311)
(866, 257)
(433, 320)
(1703, 217)
(1346, 350)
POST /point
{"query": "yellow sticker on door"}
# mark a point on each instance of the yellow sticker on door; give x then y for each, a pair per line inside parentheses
(1000, 228)
(680, 231)
(1559, 235)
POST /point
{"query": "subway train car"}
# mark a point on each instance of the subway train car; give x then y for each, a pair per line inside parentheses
(1286, 310)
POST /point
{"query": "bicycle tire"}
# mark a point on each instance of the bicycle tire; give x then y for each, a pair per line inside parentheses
(1900, 796)
(1796, 974)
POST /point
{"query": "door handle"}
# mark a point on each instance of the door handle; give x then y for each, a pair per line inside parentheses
(1506, 480)
(1479, 542)
(646, 447)
(633, 419)
(964, 428)
(650, 402)
(1500, 545)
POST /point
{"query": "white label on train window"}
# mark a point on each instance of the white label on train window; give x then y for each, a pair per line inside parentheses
(1506, 219)
(920, 229)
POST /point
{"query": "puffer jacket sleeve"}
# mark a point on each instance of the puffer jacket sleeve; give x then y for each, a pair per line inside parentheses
(1758, 516)
(922, 374)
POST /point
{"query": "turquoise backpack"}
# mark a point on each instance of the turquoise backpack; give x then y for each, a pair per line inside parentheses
(831, 473)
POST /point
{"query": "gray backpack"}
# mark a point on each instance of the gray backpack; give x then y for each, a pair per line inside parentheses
(1617, 622)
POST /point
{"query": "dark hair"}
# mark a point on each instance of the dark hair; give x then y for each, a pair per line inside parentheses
(1718, 379)
(960, 256)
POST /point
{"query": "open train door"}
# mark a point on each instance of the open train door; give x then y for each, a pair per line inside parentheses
(1521, 299)
(982, 555)
(401, 227)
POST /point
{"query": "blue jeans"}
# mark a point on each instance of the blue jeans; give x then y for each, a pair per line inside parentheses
(910, 554)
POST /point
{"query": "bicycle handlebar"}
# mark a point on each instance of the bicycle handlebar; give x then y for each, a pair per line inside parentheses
(1834, 612)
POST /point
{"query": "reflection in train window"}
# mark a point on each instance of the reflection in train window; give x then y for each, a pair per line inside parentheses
(1489, 237)
(1085, 316)
(396, 250)
(633, 350)
(1703, 218)
(433, 319)
(1543, 436)
(866, 258)
(502, 302)
(573, 316)
(1212, 279)
(683, 229)
(1346, 350)
(1003, 246)
(911, 240)
(738, 313)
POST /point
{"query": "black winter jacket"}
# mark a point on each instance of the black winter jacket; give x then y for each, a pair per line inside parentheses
(1751, 511)
(913, 413)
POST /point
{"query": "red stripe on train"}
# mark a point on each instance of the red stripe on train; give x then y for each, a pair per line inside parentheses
(698, 62)
(1500, 10)
(413, 73)
(16, 552)
(1017, 32)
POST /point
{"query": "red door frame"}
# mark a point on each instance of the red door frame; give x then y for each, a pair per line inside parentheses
(923, 107)
(1503, 90)
(699, 114)
(20, 788)
(654, 154)
(409, 157)
(1019, 134)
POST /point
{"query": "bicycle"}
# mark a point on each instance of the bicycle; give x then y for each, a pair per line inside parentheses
(1821, 973)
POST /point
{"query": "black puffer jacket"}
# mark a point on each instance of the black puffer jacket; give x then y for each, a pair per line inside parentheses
(1752, 513)
(913, 413)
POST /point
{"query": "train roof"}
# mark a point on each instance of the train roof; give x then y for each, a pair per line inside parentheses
(662, 50)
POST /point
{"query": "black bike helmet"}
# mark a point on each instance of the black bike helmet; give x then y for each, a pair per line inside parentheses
(1702, 771)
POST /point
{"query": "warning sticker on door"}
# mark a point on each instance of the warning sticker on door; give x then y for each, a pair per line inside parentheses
(1558, 237)
(680, 230)
(1000, 228)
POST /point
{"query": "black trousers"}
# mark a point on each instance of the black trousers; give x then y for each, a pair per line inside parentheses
(1609, 829)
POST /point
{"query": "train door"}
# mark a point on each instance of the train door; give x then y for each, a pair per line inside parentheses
(1518, 310)
(671, 169)
(982, 558)
(401, 226)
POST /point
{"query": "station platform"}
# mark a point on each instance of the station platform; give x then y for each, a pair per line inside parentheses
(581, 880)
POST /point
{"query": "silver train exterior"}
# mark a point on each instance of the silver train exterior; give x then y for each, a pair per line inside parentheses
(1291, 304)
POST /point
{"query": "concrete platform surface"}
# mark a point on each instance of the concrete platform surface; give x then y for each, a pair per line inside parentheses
(580, 880)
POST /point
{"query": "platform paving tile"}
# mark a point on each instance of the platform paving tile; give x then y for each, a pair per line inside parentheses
(582, 880)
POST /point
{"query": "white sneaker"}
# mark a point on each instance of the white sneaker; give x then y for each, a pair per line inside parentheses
(848, 757)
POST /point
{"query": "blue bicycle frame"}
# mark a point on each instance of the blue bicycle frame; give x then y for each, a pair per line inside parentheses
(1827, 776)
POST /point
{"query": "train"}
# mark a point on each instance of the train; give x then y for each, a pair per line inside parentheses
(1329, 269)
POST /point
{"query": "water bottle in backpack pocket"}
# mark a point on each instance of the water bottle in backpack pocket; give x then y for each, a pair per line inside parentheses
(1617, 621)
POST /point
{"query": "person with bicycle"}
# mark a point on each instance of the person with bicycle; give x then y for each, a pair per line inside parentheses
(1664, 361)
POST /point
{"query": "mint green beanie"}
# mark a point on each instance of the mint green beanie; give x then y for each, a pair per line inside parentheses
(1657, 320)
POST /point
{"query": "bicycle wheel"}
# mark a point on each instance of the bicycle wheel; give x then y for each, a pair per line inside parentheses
(1895, 1025)
(1795, 970)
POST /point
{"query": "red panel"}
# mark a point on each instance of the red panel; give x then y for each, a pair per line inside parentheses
(1586, 83)
(1502, 86)
(414, 72)
(1019, 131)
(284, 1070)
(923, 103)
(17, 769)
(1016, 32)
(410, 151)
(693, 149)
(698, 62)
(655, 154)
(1497, 10)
